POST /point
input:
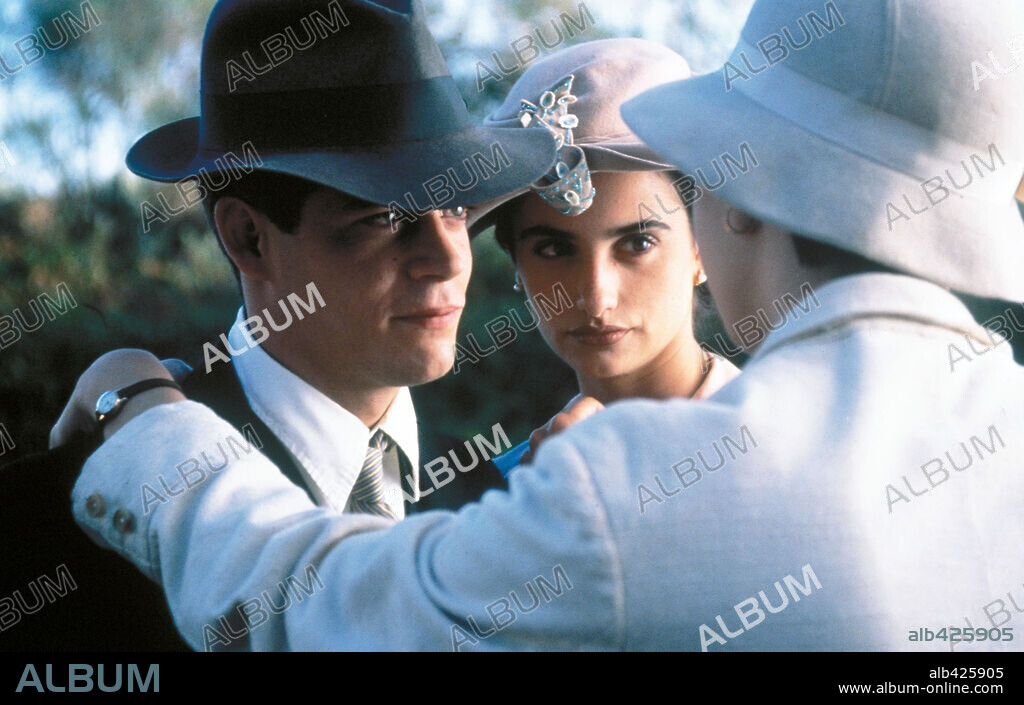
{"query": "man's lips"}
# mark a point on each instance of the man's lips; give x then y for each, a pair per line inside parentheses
(437, 318)
(598, 337)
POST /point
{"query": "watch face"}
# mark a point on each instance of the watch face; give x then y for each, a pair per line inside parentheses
(106, 403)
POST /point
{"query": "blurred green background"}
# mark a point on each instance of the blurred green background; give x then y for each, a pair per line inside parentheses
(70, 210)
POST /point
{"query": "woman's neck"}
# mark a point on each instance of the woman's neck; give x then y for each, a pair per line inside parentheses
(678, 371)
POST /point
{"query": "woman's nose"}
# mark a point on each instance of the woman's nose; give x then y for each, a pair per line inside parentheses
(598, 287)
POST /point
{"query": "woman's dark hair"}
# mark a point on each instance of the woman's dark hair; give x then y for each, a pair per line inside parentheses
(280, 197)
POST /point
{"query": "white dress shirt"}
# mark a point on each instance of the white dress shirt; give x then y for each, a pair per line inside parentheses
(853, 487)
(327, 442)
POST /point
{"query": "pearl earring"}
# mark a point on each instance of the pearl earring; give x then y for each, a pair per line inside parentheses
(701, 279)
(517, 286)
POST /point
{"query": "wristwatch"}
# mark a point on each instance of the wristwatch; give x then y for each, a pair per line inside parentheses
(111, 402)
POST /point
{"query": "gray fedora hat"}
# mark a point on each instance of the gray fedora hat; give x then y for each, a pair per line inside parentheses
(351, 94)
(889, 128)
(593, 80)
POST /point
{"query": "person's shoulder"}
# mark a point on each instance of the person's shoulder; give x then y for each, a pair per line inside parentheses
(52, 469)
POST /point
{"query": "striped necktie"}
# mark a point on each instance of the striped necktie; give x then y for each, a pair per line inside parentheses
(368, 493)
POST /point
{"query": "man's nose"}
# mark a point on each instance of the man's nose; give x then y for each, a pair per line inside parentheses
(442, 248)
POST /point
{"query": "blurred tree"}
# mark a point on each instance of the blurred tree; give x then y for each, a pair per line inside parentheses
(70, 211)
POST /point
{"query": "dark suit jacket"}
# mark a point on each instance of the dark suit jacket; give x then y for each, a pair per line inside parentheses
(108, 605)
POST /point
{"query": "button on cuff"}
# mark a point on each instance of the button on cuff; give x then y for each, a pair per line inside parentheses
(124, 521)
(95, 506)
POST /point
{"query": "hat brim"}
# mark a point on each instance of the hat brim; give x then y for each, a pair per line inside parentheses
(809, 185)
(464, 167)
(601, 157)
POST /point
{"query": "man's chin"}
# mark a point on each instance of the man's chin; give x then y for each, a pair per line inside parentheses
(431, 366)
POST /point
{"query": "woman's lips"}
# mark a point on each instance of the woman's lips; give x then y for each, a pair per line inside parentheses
(599, 337)
(433, 318)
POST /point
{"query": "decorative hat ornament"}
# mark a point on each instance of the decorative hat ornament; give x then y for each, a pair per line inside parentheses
(567, 186)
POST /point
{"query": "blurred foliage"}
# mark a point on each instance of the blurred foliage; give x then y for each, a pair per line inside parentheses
(171, 290)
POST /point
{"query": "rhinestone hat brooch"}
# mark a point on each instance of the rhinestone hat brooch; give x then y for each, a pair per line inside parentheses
(567, 186)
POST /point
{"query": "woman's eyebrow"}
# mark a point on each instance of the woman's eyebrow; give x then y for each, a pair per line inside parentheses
(642, 226)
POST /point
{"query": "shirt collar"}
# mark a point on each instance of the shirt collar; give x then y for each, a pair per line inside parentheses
(841, 301)
(328, 441)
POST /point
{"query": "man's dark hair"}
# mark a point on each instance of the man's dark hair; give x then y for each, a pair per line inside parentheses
(280, 197)
(814, 254)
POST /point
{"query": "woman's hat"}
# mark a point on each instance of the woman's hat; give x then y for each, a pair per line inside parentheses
(888, 128)
(351, 94)
(575, 94)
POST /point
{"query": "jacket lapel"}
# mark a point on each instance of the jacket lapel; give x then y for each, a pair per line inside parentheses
(220, 390)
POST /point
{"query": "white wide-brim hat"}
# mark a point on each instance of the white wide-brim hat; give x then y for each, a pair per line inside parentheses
(605, 74)
(845, 120)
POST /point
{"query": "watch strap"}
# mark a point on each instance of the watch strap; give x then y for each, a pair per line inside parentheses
(145, 385)
(105, 414)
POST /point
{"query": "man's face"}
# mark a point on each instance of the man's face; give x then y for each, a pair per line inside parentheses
(393, 298)
(730, 260)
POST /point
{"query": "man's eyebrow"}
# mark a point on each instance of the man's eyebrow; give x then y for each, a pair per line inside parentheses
(358, 204)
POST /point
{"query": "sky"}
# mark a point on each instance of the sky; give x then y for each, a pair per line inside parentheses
(479, 22)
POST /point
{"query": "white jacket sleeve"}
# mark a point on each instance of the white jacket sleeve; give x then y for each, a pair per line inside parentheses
(248, 562)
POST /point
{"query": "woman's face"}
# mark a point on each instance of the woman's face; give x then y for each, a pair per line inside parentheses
(629, 266)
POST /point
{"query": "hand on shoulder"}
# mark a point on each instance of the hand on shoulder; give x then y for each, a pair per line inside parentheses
(112, 371)
(578, 408)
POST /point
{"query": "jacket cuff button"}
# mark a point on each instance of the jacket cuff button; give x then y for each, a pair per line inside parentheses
(124, 521)
(95, 506)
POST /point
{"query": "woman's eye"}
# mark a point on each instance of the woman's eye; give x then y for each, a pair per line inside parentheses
(639, 243)
(553, 248)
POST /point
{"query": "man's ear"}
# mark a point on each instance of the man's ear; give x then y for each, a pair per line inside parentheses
(741, 222)
(243, 230)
